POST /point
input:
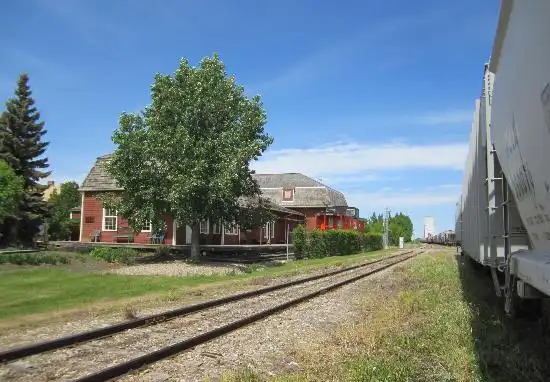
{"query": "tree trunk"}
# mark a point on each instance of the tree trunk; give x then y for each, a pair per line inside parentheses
(195, 242)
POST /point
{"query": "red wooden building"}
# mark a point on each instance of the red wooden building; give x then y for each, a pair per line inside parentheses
(294, 198)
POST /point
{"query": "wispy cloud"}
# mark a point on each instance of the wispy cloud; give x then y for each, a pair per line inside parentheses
(28, 62)
(93, 25)
(391, 118)
(316, 64)
(403, 198)
(351, 179)
(440, 117)
(345, 159)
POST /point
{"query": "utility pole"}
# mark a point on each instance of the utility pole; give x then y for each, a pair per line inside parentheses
(385, 238)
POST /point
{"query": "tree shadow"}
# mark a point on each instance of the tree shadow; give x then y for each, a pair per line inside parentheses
(507, 349)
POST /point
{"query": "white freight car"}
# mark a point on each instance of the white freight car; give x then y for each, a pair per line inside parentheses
(503, 215)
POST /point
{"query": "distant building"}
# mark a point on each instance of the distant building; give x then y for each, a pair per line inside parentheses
(51, 188)
(429, 226)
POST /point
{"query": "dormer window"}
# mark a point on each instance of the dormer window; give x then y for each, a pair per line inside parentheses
(288, 195)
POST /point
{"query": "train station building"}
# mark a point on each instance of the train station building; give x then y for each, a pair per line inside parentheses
(293, 198)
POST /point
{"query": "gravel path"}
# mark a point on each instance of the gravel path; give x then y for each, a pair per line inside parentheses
(178, 268)
(260, 341)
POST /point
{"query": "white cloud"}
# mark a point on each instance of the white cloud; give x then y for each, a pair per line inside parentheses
(355, 178)
(347, 159)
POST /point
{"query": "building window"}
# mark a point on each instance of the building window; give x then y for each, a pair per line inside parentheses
(110, 219)
(231, 229)
(147, 227)
(288, 195)
(269, 230)
(205, 225)
(216, 228)
(330, 221)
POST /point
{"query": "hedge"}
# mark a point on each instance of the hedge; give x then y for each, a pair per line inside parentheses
(317, 244)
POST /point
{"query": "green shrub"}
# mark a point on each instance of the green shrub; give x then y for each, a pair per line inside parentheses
(372, 241)
(342, 242)
(115, 255)
(34, 259)
(317, 244)
(299, 241)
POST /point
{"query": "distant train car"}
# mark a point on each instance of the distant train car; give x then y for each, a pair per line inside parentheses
(442, 238)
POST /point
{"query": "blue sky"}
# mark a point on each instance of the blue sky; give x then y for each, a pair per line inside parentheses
(375, 98)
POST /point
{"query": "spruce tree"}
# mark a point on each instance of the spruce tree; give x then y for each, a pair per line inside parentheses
(21, 146)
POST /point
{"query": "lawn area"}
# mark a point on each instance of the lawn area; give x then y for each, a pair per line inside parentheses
(38, 289)
(442, 322)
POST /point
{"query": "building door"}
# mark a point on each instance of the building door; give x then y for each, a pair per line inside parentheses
(180, 235)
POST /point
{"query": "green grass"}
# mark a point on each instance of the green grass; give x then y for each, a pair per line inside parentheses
(29, 290)
(442, 322)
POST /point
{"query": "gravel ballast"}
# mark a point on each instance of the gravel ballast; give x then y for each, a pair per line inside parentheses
(260, 345)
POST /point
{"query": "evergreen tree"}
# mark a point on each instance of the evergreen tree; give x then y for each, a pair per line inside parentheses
(21, 146)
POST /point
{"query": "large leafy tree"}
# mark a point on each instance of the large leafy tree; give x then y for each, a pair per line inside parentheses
(11, 191)
(188, 153)
(60, 205)
(22, 147)
(400, 226)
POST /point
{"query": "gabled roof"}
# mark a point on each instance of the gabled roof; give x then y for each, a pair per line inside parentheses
(286, 180)
(98, 179)
(308, 191)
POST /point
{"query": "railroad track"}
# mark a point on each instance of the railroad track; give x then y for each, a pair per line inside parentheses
(272, 299)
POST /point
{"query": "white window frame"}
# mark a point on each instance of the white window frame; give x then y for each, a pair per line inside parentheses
(150, 227)
(269, 229)
(217, 228)
(231, 229)
(103, 227)
(207, 231)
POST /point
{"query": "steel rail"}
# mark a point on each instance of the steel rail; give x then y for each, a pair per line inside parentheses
(62, 342)
(138, 362)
